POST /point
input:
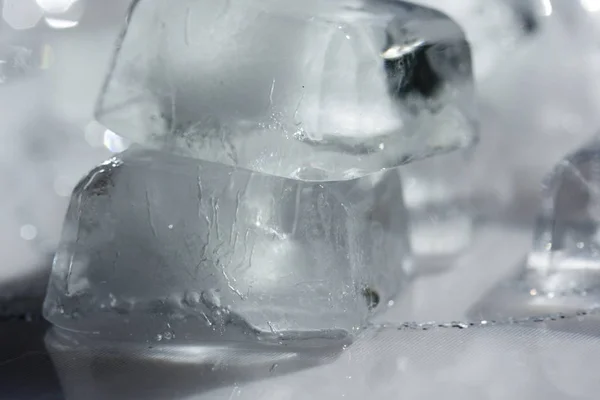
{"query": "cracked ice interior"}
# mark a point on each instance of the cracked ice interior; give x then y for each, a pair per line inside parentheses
(348, 87)
(264, 197)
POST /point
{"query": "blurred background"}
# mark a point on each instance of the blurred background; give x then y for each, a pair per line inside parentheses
(53, 57)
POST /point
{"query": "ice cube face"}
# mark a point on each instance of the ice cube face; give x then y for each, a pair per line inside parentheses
(566, 250)
(348, 87)
(156, 243)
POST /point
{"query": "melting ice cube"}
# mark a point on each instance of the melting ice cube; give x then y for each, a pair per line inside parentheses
(566, 250)
(349, 87)
(154, 240)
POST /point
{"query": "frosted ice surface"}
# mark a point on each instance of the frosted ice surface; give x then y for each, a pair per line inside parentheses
(348, 87)
(566, 250)
(156, 242)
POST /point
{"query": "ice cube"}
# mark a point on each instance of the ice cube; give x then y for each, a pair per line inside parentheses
(155, 243)
(349, 87)
(566, 249)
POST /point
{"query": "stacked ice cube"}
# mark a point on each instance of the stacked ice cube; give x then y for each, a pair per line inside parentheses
(263, 199)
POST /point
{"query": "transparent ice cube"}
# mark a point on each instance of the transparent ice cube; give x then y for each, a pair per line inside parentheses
(566, 249)
(349, 87)
(157, 246)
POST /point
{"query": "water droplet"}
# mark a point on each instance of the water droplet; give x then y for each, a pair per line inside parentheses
(460, 325)
(391, 303)
(191, 298)
(310, 174)
(113, 300)
(171, 226)
(213, 298)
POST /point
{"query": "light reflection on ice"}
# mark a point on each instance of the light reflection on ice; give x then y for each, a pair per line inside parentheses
(114, 142)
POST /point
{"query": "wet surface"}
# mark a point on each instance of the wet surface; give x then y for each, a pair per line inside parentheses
(479, 314)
